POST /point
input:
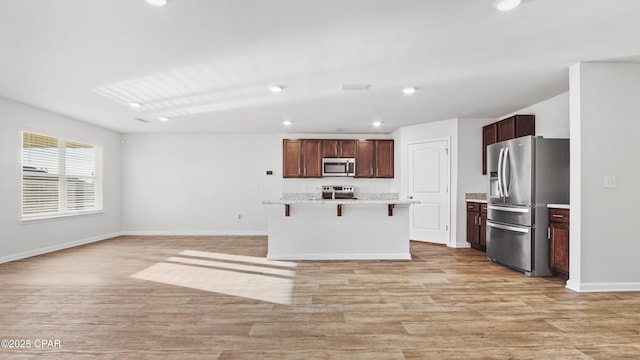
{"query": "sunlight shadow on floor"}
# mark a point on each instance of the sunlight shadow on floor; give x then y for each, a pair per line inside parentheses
(243, 276)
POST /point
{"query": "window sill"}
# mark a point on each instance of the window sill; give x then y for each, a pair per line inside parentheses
(36, 219)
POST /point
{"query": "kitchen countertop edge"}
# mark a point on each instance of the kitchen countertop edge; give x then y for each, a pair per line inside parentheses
(558, 206)
(339, 202)
(476, 201)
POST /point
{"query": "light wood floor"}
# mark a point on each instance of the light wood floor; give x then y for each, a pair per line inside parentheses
(160, 297)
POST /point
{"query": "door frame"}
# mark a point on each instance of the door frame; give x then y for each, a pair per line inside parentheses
(448, 172)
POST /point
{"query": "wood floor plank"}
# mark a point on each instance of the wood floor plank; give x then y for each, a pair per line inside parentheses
(445, 303)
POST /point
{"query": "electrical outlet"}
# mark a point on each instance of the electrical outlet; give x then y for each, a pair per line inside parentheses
(610, 182)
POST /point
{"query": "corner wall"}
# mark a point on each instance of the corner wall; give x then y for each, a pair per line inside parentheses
(19, 239)
(605, 110)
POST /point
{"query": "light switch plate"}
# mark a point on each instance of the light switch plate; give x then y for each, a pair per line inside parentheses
(610, 182)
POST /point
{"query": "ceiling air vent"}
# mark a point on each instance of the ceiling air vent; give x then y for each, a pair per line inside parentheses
(142, 120)
(355, 87)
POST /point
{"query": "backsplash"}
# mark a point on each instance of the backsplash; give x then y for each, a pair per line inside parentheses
(475, 196)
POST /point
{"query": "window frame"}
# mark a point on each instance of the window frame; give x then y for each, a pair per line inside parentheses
(61, 178)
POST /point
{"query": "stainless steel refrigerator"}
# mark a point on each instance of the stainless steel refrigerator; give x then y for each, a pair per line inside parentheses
(525, 174)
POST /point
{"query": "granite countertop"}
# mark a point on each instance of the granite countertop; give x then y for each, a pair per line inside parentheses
(558, 206)
(339, 202)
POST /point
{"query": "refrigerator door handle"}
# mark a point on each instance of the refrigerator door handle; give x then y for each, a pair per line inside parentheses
(499, 171)
(505, 190)
(507, 227)
(508, 209)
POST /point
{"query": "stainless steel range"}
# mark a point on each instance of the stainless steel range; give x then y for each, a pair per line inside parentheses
(338, 192)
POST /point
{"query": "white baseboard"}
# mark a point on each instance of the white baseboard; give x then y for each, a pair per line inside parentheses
(603, 287)
(52, 248)
(403, 256)
(459, 245)
(194, 233)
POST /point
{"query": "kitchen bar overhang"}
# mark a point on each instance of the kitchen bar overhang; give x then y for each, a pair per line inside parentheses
(339, 204)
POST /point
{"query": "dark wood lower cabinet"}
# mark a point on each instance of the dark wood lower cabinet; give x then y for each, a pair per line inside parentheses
(559, 242)
(477, 225)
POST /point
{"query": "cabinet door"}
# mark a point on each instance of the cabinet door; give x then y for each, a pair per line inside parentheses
(525, 125)
(364, 158)
(559, 240)
(312, 158)
(383, 158)
(507, 129)
(291, 158)
(473, 231)
(489, 136)
(559, 247)
(483, 226)
(347, 148)
(330, 148)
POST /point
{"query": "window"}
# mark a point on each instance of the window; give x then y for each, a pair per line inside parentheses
(59, 177)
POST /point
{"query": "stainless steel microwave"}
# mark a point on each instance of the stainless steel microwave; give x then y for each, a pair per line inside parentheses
(338, 167)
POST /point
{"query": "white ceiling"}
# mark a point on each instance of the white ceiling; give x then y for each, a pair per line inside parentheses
(207, 64)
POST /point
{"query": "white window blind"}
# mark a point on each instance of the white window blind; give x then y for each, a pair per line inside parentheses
(59, 177)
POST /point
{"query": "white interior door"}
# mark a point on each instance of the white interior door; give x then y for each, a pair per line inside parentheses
(428, 175)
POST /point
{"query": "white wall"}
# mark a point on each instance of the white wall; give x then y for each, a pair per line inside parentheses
(470, 177)
(605, 110)
(438, 130)
(199, 183)
(163, 195)
(20, 239)
(552, 116)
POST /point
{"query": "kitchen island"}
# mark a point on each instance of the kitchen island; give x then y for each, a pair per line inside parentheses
(349, 229)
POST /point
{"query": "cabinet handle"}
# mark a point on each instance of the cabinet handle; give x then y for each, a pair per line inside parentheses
(305, 172)
(558, 216)
(371, 171)
(299, 172)
(549, 233)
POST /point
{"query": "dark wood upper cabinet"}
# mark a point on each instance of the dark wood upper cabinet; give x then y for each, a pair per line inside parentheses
(374, 158)
(384, 158)
(301, 158)
(489, 136)
(364, 158)
(291, 158)
(516, 126)
(312, 158)
(507, 129)
(339, 148)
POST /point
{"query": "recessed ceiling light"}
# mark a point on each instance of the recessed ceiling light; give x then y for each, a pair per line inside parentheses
(163, 119)
(409, 90)
(157, 2)
(377, 123)
(135, 105)
(506, 5)
(287, 123)
(276, 88)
